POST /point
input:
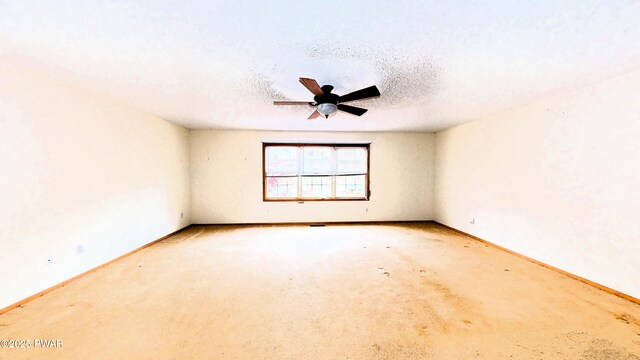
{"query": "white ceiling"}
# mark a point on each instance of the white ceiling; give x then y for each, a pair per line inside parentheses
(219, 64)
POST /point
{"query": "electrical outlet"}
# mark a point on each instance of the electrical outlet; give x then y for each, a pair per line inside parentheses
(472, 221)
(80, 249)
(181, 215)
(49, 260)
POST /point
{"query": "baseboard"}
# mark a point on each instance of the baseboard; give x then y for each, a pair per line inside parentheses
(47, 290)
(307, 223)
(550, 267)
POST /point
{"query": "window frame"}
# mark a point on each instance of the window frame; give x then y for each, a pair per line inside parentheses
(367, 175)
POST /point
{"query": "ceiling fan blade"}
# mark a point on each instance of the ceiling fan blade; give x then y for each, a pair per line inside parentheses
(291, 103)
(312, 85)
(371, 91)
(315, 115)
(352, 109)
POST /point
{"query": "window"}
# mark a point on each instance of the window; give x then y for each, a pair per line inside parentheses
(296, 172)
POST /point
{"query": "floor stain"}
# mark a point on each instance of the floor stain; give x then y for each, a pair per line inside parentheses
(627, 318)
(600, 349)
(420, 329)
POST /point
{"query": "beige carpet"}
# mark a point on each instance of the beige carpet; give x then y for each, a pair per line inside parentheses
(335, 292)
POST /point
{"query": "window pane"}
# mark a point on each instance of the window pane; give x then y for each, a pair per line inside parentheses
(350, 186)
(316, 187)
(317, 160)
(282, 187)
(281, 160)
(352, 160)
(315, 172)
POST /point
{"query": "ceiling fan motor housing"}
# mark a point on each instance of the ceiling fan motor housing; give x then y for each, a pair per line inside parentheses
(327, 96)
(327, 101)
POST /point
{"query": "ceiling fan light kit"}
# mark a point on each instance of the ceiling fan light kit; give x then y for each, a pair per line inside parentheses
(327, 103)
(327, 109)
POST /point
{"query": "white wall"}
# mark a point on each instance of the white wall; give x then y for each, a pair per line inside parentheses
(226, 179)
(77, 171)
(557, 180)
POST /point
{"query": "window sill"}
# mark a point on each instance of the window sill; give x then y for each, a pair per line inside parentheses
(314, 200)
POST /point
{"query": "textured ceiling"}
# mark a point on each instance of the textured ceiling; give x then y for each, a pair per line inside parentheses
(219, 64)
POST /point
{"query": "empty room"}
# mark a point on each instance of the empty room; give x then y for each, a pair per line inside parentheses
(320, 180)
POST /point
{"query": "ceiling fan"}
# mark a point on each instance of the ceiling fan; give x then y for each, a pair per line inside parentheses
(327, 103)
